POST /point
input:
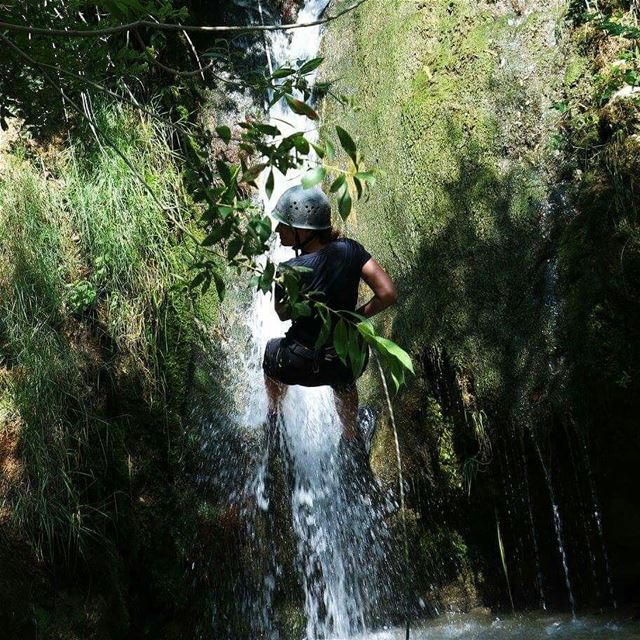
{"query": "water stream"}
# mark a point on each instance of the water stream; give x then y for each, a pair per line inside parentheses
(519, 627)
(340, 539)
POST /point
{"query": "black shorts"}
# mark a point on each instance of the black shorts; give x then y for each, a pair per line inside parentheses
(291, 363)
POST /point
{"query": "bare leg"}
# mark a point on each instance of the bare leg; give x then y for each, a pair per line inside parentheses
(275, 393)
(347, 406)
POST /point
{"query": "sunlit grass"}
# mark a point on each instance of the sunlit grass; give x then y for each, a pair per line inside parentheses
(87, 262)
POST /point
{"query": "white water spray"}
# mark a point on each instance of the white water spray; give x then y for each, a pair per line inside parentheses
(340, 538)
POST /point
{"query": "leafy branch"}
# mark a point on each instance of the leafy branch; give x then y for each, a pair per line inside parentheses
(129, 7)
(613, 25)
(350, 333)
(228, 227)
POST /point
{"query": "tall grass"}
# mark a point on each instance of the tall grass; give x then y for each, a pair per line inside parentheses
(87, 262)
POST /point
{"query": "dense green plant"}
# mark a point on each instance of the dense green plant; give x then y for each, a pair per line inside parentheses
(236, 233)
(87, 266)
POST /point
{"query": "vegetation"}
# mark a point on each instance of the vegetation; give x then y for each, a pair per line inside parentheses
(495, 176)
(599, 259)
(507, 141)
(120, 210)
(96, 347)
(236, 232)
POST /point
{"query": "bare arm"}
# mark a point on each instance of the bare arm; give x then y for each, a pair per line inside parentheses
(384, 290)
(281, 309)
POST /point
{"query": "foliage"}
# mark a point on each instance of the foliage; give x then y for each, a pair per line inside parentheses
(236, 232)
(613, 24)
(512, 231)
(86, 269)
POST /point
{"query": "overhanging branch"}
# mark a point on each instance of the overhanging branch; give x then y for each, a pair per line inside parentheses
(107, 31)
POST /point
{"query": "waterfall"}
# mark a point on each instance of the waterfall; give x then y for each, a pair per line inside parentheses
(557, 524)
(534, 536)
(298, 485)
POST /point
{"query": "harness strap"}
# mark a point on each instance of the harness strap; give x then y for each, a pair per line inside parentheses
(328, 353)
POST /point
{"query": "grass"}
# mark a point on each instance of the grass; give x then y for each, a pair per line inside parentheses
(95, 341)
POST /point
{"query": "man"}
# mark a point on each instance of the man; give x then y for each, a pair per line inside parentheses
(336, 266)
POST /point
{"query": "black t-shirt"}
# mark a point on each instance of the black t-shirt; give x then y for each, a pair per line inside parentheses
(336, 274)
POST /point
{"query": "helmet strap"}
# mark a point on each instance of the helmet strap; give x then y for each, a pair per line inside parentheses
(298, 246)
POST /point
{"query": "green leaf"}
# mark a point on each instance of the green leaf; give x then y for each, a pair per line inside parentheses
(398, 380)
(225, 171)
(267, 129)
(397, 352)
(253, 172)
(220, 285)
(292, 286)
(224, 210)
(217, 234)
(313, 177)
(301, 143)
(331, 150)
(325, 332)
(234, 248)
(283, 72)
(366, 328)
(356, 352)
(367, 176)
(344, 203)
(266, 279)
(340, 340)
(268, 187)
(263, 228)
(310, 65)
(301, 108)
(339, 182)
(198, 280)
(301, 309)
(347, 143)
(358, 187)
(319, 150)
(225, 133)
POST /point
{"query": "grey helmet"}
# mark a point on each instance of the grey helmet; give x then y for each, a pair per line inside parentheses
(303, 209)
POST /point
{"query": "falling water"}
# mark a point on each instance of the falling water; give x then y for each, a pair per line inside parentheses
(534, 536)
(581, 507)
(563, 554)
(557, 523)
(340, 538)
(597, 516)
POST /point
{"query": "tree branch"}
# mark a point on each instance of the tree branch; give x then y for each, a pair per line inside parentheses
(120, 98)
(106, 138)
(94, 33)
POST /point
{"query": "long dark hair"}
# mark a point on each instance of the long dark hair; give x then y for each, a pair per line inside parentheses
(328, 235)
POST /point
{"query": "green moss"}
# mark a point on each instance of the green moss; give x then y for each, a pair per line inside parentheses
(576, 67)
(440, 87)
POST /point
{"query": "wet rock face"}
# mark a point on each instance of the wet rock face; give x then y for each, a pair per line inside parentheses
(466, 107)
